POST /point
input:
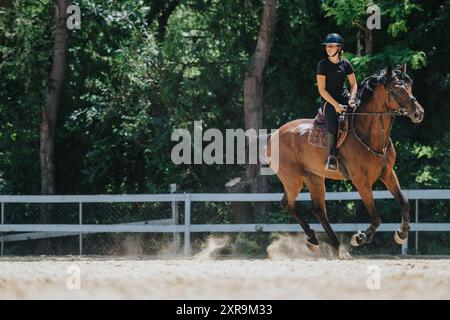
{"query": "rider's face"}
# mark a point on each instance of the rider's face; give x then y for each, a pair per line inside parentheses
(331, 49)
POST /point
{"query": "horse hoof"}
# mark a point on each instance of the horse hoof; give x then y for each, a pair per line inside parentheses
(353, 241)
(398, 239)
(343, 254)
(311, 246)
(358, 239)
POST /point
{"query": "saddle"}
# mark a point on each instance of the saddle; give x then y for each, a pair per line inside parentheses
(317, 133)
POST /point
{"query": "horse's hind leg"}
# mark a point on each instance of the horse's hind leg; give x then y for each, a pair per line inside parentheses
(316, 186)
(390, 180)
(291, 189)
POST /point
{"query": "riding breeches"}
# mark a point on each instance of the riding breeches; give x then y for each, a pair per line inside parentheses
(332, 118)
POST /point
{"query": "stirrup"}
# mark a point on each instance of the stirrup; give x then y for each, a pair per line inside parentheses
(331, 167)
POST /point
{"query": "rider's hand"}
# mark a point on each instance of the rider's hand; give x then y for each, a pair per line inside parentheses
(339, 108)
(352, 103)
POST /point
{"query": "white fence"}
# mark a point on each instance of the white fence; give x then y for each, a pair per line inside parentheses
(36, 231)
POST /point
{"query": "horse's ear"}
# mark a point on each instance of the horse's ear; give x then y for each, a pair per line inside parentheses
(403, 68)
(389, 71)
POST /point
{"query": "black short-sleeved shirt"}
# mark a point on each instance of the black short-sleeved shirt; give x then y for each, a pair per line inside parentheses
(335, 77)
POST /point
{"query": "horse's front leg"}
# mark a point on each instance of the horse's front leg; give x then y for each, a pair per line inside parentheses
(390, 180)
(365, 191)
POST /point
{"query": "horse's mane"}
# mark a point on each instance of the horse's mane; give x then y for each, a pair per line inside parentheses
(369, 84)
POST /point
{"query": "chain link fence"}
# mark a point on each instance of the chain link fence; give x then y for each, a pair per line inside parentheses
(66, 243)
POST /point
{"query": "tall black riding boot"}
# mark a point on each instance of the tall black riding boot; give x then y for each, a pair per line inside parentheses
(331, 163)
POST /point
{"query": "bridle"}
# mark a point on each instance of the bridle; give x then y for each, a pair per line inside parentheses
(402, 111)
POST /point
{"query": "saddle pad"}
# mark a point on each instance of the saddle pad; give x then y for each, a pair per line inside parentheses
(316, 135)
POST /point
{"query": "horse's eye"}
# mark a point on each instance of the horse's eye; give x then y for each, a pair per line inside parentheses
(400, 85)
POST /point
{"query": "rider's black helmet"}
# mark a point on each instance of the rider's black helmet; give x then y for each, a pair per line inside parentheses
(333, 38)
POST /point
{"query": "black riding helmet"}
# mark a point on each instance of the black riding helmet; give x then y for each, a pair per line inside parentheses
(334, 38)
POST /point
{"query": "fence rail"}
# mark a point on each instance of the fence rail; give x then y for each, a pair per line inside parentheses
(38, 231)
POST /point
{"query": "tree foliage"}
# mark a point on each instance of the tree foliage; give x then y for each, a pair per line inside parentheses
(139, 69)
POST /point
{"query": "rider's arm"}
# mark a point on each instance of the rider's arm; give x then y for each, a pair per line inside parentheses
(325, 94)
(353, 85)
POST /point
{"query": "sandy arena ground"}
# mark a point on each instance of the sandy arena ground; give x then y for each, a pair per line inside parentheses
(198, 278)
(291, 272)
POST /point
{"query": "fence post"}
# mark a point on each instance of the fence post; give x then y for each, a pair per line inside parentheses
(405, 247)
(3, 221)
(80, 217)
(187, 224)
(176, 236)
(417, 222)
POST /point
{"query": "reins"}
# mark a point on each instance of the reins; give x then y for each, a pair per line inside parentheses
(402, 111)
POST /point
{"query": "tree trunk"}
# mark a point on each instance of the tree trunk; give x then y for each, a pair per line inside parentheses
(358, 44)
(369, 42)
(241, 210)
(50, 108)
(51, 105)
(5, 3)
(253, 93)
(161, 10)
(163, 19)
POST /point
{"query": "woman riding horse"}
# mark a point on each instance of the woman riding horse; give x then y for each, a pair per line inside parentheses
(330, 75)
(367, 154)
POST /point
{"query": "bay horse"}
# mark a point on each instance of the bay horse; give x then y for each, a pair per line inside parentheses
(367, 155)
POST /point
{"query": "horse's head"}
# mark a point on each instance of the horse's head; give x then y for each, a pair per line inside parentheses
(399, 94)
